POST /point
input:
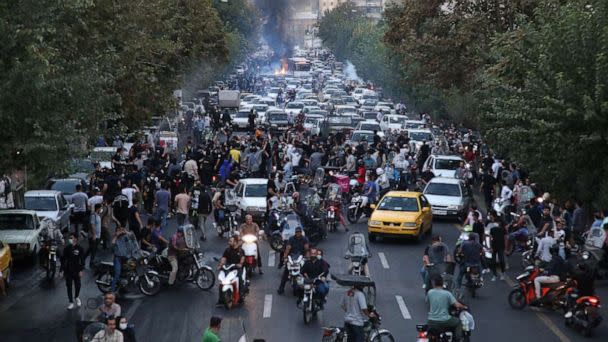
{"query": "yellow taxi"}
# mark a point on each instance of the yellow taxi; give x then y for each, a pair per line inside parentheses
(6, 261)
(401, 214)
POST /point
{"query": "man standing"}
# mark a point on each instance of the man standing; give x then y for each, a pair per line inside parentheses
(161, 202)
(356, 313)
(95, 233)
(203, 207)
(182, 203)
(72, 265)
(211, 333)
(80, 201)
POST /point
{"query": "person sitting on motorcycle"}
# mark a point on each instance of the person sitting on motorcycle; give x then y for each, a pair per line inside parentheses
(121, 253)
(233, 255)
(219, 208)
(109, 308)
(470, 252)
(518, 232)
(440, 301)
(315, 267)
(554, 273)
(177, 246)
(296, 245)
(250, 227)
(505, 197)
(360, 172)
(437, 253)
(370, 191)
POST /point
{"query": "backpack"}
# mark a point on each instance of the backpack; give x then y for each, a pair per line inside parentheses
(7, 186)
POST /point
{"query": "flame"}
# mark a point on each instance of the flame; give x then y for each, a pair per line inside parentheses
(283, 69)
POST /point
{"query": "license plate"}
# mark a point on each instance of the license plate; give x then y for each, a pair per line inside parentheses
(440, 212)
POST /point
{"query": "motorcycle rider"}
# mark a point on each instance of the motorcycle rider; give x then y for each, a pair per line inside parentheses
(436, 253)
(121, 252)
(315, 267)
(471, 253)
(296, 245)
(370, 191)
(440, 301)
(555, 271)
(356, 314)
(176, 247)
(250, 227)
(233, 255)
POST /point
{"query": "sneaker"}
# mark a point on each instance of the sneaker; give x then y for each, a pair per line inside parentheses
(78, 302)
(424, 286)
(493, 278)
(485, 270)
(280, 291)
(502, 276)
(71, 306)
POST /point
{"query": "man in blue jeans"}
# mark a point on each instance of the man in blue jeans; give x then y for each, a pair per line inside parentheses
(471, 253)
(121, 253)
(161, 203)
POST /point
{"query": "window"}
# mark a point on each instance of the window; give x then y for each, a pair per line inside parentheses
(446, 164)
(256, 190)
(239, 190)
(399, 204)
(425, 203)
(41, 203)
(16, 222)
(443, 189)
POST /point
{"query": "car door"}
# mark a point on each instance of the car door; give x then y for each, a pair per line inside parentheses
(427, 216)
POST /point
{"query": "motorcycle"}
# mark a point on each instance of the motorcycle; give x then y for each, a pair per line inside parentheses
(503, 208)
(595, 258)
(294, 271)
(250, 248)
(190, 269)
(311, 304)
(372, 330)
(332, 207)
(230, 224)
(445, 270)
(230, 293)
(357, 252)
(135, 273)
(582, 313)
(356, 210)
(428, 333)
(473, 279)
(48, 257)
(552, 295)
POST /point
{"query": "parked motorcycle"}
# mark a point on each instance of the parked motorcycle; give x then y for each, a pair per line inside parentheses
(230, 293)
(552, 295)
(49, 258)
(230, 224)
(428, 333)
(191, 269)
(596, 259)
(582, 313)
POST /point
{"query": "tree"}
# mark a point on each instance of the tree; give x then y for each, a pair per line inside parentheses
(545, 98)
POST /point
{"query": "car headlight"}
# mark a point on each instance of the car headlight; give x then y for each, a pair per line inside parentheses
(410, 224)
(454, 207)
(375, 223)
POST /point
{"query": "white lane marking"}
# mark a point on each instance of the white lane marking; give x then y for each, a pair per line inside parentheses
(383, 260)
(404, 311)
(267, 306)
(271, 258)
(133, 308)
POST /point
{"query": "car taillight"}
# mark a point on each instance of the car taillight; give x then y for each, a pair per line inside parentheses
(594, 301)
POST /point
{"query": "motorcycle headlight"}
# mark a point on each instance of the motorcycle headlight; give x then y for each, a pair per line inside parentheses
(249, 238)
(307, 287)
(585, 255)
(300, 281)
(356, 264)
(375, 223)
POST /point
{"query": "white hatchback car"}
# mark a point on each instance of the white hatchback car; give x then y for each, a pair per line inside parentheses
(250, 195)
(449, 197)
(442, 166)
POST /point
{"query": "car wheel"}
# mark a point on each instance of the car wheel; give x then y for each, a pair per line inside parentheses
(371, 237)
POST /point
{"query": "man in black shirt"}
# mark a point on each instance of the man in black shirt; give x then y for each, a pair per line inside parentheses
(315, 267)
(296, 245)
(233, 255)
(72, 266)
(487, 187)
(498, 235)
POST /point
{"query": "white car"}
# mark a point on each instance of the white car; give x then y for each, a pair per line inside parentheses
(357, 137)
(49, 204)
(250, 195)
(442, 166)
(345, 110)
(393, 122)
(241, 119)
(448, 197)
(261, 109)
(293, 108)
(370, 125)
(419, 136)
(310, 102)
(414, 124)
(273, 92)
(20, 229)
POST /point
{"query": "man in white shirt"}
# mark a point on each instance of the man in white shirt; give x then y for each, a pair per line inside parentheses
(496, 167)
(95, 199)
(128, 191)
(544, 246)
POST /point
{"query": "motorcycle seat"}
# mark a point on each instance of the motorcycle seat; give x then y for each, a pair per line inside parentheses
(553, 285)
(107, 263)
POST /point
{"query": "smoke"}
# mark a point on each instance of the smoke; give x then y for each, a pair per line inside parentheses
(351, 72)
(275, 30)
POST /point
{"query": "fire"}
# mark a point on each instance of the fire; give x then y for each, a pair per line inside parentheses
(283, 69)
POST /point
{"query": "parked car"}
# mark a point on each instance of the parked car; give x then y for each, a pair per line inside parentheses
(449, 197)
(67, 186)
(20, 228)
(49, 204)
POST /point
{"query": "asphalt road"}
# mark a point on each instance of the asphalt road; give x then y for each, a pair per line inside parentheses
(36, 309)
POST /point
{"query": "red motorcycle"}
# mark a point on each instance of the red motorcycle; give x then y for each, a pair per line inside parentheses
(333, 209)
(583, 313)
(552, 295)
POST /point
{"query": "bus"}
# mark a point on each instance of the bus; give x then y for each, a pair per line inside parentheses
(298, 67)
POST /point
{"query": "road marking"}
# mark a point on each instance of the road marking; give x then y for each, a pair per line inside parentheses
(267, 306)
(404, 311)
(383, 260)
(271, 258)
(133, 308)
(554, 329)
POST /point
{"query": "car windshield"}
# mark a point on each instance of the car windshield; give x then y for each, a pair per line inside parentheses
(16, 222)
(358, 136)
(399, 204)
(446, 164)
(346, 110)
(420, 136)
(396, 119)
(295, 105)
(278, 117)
(255, 190)
(40, 203)
(102, 155)
(68, 187)
(340, 120)
(311, 120)
(242, 115)
(442, 189)
(370, 127)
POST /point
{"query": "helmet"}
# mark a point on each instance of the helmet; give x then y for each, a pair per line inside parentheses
(468, 228)
(379, 171)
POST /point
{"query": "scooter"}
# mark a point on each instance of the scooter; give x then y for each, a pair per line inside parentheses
(552, 295)
(230, 293)
(428, 333)
(331, 218)
(250, 248)
(582, 313)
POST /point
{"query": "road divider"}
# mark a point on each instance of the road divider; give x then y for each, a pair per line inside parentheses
(267, 306)
(403, 308)
(383, 260)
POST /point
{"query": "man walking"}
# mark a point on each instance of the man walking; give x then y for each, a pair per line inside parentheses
(72, 266)
(212, 333)
(182, 203)
(161, 203)
(95, 233)
(356, 313)
(80, 201)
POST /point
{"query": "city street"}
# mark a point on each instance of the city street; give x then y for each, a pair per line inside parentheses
(36, 310)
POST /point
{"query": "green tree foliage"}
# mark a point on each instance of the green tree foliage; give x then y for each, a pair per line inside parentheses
(545, 97)
(67, 67)
(337, 27)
